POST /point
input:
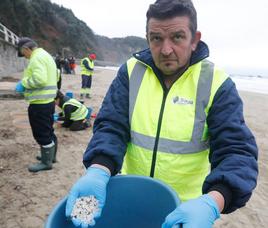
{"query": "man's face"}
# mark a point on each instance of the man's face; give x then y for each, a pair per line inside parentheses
(171, 43)
(26, 52)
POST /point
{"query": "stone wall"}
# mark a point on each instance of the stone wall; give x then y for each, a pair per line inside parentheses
(10, 63)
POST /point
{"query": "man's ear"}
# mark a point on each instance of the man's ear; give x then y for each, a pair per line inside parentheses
(196, 40)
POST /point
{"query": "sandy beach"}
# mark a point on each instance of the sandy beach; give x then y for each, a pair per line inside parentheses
(26, 199)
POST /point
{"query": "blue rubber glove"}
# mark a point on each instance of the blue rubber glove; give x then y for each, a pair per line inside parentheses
(55, 117)
(19, 87)
(94, 183)
(196, 213)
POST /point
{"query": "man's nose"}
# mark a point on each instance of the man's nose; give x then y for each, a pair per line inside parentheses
(166, 48)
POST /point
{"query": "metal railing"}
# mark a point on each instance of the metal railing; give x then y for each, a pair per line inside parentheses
(8, 35)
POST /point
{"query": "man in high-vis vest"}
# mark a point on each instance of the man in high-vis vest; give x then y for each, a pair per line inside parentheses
(173, 115)
(87, 68)
(39, 86)
(74, 114)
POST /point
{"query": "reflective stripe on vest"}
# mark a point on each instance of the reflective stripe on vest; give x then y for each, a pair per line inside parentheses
(169, 132)
(32, 82)
(51, 95)
(39, 78)
(202, 98)
(81, 111)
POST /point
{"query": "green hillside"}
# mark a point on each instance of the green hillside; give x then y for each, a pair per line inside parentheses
(58, 30)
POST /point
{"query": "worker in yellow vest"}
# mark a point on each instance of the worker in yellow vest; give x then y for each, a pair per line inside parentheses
(173, 115)
(39, 85)
(74, 114)
(87, 68)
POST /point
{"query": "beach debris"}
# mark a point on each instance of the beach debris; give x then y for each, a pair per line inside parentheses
(85, 208)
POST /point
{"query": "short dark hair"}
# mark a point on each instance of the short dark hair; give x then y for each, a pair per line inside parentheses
(165, 9)
(59, 95)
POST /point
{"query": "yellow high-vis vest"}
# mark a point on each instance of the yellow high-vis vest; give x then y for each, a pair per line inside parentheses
(80, 113)
(171, 127)
(84, 70)
(40, 78)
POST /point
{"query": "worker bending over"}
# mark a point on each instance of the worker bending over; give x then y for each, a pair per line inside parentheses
(74, 114)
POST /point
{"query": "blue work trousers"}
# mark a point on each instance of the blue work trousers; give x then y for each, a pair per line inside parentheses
(41, 121)
(86, 81)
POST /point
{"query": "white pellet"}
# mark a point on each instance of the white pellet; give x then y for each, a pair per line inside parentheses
(84, 209)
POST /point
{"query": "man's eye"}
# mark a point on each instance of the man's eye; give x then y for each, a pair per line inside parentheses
(177, 37)
(155, 39)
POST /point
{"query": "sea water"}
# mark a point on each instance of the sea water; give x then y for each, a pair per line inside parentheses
(256, 84)
(250, 83)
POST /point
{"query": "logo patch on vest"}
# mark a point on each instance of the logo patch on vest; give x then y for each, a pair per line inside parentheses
(182, 101)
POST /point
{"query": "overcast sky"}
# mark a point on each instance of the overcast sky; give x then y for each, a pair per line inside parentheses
(235, 30)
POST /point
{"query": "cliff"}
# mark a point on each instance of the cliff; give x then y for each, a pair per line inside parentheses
(58, 30)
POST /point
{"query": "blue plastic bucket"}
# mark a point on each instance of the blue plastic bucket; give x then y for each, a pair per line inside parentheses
(132, 202)
(69, 94)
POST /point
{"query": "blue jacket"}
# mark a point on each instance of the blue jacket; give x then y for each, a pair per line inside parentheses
(233, 150)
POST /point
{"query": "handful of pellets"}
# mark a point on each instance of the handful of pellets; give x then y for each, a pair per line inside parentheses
(85, 208)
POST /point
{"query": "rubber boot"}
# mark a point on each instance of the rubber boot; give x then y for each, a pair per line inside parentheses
(46, 160)
(55, 150)
(38, 157)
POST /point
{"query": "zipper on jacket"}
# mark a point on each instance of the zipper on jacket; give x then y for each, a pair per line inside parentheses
(158, 133)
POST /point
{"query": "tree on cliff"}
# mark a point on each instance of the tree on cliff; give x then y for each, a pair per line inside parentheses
(56, 28)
